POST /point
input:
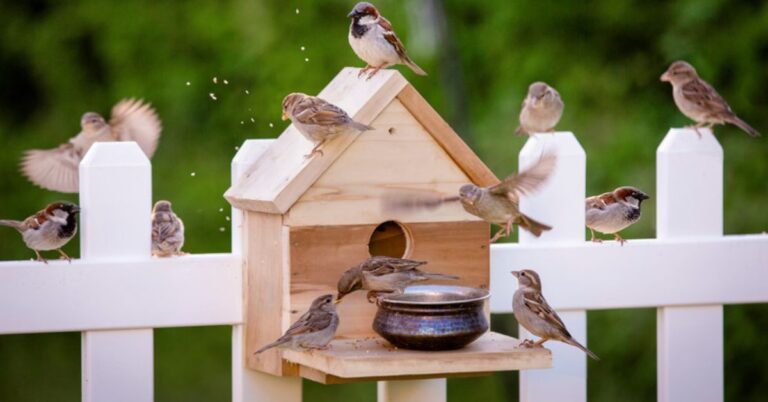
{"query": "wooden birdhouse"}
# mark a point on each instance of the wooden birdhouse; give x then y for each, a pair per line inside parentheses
(307, 220)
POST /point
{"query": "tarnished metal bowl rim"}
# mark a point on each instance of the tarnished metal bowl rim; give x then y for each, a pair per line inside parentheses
(440, 295)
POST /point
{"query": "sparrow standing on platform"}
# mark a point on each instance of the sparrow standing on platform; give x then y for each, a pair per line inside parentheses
(313, 330)
(57, 169)
(534, 314)
(167, 231)
(49, 229)
(373, 40)
(317, 119)
(541, 111)
(613, 212)
(699, 101)
(383, 274)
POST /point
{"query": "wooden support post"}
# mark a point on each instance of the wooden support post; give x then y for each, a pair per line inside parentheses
(250, 385)
(412, 391)
(689, 179)
(559, 204)
(116, 192)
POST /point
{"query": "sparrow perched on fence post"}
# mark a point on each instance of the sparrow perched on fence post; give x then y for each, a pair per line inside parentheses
(614, 211)
(381, 274)
(497, 204)
(314, 329)
(699, 101)
(167, 231)
(541, 111)
(49, 229)
(373, 40)
(57, 169)
(534, 314)
(317, 120)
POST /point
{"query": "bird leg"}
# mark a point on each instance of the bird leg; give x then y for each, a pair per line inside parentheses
(504, 231)
(40, 257)
(64, 255)
(373, 296)
(696, 128)
(363, 70)
(539, 343)
(375, 70)
(315, 150)
(619, 239)
(497, 235)
(594, 238)
(526, 343)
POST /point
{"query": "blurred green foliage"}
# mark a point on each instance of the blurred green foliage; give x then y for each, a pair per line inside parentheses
(60, 59)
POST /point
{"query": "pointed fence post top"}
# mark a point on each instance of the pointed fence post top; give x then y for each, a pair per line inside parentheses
(116, 202)
(687, 140)
(564, 143)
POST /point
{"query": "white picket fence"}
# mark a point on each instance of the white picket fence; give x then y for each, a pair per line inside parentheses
(115, 294)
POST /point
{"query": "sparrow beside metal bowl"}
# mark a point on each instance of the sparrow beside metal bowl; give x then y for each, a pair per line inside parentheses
(432, 317)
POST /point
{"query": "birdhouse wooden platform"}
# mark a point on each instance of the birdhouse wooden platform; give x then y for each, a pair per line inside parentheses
(307, 220)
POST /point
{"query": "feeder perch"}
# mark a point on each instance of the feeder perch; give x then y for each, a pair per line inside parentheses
(307, 220)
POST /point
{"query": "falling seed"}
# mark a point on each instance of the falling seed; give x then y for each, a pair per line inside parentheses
(212, 95)
(189, 83)
(221, 229)
(226, 82)
(242, 122)
(271, 125)
(252, 120)
(215, 80)
(306, 59)
(227, 218)
(303, 48)
(297, 11)
(247, 92)
(222, 209)
(236, 148)
(192, 174)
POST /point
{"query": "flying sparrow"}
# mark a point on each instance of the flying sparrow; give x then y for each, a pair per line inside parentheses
(167, 231)
(541, 111)
(49, 229)
(314, 329)
(497, 204)
(535, 315)
(373, 40)
(317, 120)
(57, 169)
(614, 211)
(383, 274)
(699, 101)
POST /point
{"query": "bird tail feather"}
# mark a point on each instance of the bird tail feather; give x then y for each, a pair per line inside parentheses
(360, 126)
(278, 342)
(735, 120)
(14, 224)
(535, 227)
(435, 275)
(416, 69)
(589, 353)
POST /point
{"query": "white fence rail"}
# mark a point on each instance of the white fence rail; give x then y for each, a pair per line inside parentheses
(115, 294)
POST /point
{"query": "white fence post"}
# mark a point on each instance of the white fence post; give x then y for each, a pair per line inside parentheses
(559, 204)
(689, 179)
(412, 391)
(250, 385)
(116, 198)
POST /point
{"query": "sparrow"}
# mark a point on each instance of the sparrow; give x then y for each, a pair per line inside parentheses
(373, 40)
(542, 109)
(314, 329)
(49, 229)
(534, 314)
(614, 211)
(317, 120)
(699, 101)
(57, 169)
(167, 231)
(381, 274)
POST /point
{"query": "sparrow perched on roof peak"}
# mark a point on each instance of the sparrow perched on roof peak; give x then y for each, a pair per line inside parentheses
(314, 329)
(699, 101)
(373, 40)
(614, 211)
(317, 120)
(49, 229)
(541, 111)
(57, 169)
(381, 274)
(534, 314)
(167, 231)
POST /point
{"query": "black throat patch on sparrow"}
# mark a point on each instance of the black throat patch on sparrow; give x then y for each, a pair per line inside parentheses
(633, 214)
(357, 29)
(68, 230)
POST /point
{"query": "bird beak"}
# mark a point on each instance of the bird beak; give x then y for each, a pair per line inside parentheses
(75, 209)
(516, 274)
(285, 116)
(666, 77)
(338, 299)
(352, 14)
(644, 196)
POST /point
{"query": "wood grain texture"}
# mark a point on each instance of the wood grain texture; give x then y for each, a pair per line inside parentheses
(320, 254)
(398, 156)
(282, 174)
(375, 358)
(446, 137)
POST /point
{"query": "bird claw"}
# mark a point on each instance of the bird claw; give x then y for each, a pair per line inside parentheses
(526, 343)
(619, 239)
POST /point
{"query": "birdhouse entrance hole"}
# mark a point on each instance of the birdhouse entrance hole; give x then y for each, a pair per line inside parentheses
(390, 239)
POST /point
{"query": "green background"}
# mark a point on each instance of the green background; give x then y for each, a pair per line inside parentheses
(60, 59)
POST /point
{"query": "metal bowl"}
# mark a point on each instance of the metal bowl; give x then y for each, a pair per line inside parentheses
(432, 317)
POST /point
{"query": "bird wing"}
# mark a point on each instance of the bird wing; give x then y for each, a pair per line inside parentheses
(317, 111)
(706, 97)
(310, 321)
(134, 120)
(382, 265)
(53, 169)
(526, 181)
(164, 227)
(389, 35)
(536, 302)
(601, 201)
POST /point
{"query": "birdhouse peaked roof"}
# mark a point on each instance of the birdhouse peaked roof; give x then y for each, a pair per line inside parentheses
(281, 175)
